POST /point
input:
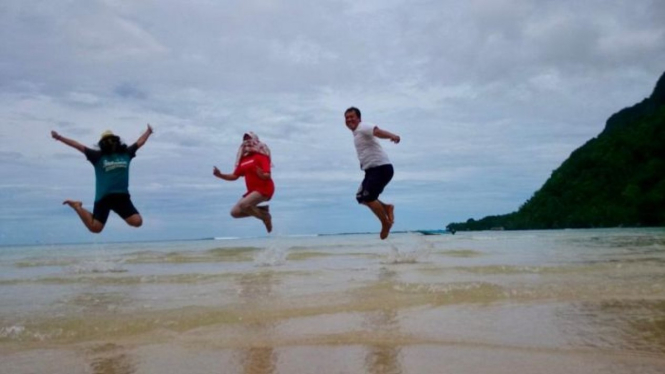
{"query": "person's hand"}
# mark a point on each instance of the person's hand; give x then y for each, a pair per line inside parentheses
(216, 172)
(55, 135)
(261, 174)
(149, 130)
(395, 139)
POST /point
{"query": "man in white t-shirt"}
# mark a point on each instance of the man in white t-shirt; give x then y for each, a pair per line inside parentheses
(374, 161)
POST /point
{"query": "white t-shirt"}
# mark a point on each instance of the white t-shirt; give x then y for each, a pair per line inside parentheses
(368, 148)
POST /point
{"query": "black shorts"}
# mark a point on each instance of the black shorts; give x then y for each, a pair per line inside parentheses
(117, 202)
(375, 181)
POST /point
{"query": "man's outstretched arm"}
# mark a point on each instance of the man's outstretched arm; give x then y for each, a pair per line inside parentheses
(384, 134)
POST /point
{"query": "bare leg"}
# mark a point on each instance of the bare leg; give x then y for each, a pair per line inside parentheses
(86, 217)
(267, 222)
(377, 208)
(246, 207)
(390, 212)
(134, 220)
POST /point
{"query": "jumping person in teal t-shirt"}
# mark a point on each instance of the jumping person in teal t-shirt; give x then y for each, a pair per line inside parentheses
(111, 164)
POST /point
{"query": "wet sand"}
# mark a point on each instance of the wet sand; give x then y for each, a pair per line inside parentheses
(543, 302)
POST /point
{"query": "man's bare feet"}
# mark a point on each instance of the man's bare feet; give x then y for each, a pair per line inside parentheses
(385, 229)
(268, 222)
(390, 212)
(73, 203)
(264, 208)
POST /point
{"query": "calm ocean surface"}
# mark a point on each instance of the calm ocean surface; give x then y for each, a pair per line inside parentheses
(570, 301)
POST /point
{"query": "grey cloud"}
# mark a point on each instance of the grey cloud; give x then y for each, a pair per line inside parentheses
(10, 156)
(67, 157)
(489, 96)
(130, 91)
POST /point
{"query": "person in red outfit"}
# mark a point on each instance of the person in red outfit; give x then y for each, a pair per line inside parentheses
(253, 163)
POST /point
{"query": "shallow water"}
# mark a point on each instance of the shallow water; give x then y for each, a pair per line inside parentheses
(572, 301)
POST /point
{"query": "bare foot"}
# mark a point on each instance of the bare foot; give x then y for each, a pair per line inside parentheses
(268, 222)
(385, 229)
(264, 208)
(73, 203)
(390, 212)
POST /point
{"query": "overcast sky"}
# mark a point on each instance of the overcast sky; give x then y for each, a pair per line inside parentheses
(489, 97)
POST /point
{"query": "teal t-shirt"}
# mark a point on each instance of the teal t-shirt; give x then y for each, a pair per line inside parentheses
(111, 171)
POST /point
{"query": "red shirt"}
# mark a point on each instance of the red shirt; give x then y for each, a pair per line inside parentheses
(247, 168)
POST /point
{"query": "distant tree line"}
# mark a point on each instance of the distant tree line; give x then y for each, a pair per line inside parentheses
(615, 179)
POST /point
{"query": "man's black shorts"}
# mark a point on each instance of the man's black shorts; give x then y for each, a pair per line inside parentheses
(375, 181)
(117, 202)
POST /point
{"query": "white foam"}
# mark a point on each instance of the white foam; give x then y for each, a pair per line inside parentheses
(410, 252)
(20, 333)
(273, 255)
(97, 266)
(12, 332)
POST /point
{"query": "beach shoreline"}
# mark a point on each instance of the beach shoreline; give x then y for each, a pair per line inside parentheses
(495, 302)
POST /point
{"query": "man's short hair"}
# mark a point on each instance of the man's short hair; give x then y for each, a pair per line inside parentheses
(355, 110)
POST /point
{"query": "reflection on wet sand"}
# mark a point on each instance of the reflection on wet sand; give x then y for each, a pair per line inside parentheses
(383, 358)
(111, 359)
(625, 325)
(106, 358)
(260, 356)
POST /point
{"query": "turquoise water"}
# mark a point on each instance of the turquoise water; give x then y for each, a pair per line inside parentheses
(583, 301)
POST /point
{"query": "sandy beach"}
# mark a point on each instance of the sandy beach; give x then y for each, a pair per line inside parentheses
(574, 301)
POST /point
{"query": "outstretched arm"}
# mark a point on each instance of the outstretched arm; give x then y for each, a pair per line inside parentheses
(383, 134)
(141, 141)
(70, 142)
(220, 175)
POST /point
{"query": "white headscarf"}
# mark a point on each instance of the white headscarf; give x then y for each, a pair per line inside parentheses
(251, 145)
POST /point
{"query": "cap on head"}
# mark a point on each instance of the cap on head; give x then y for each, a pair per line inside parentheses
(106, 134)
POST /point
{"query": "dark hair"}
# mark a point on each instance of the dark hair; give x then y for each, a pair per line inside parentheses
(112, 144)
(355, 110)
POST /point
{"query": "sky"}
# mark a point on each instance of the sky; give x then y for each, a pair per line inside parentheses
(488, 96)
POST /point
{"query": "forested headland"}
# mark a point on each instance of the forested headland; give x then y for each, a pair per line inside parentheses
(615, 179)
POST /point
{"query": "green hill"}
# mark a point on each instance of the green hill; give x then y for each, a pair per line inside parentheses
(615, 179)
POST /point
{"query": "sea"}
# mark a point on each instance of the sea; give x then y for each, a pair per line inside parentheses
(557, 302)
